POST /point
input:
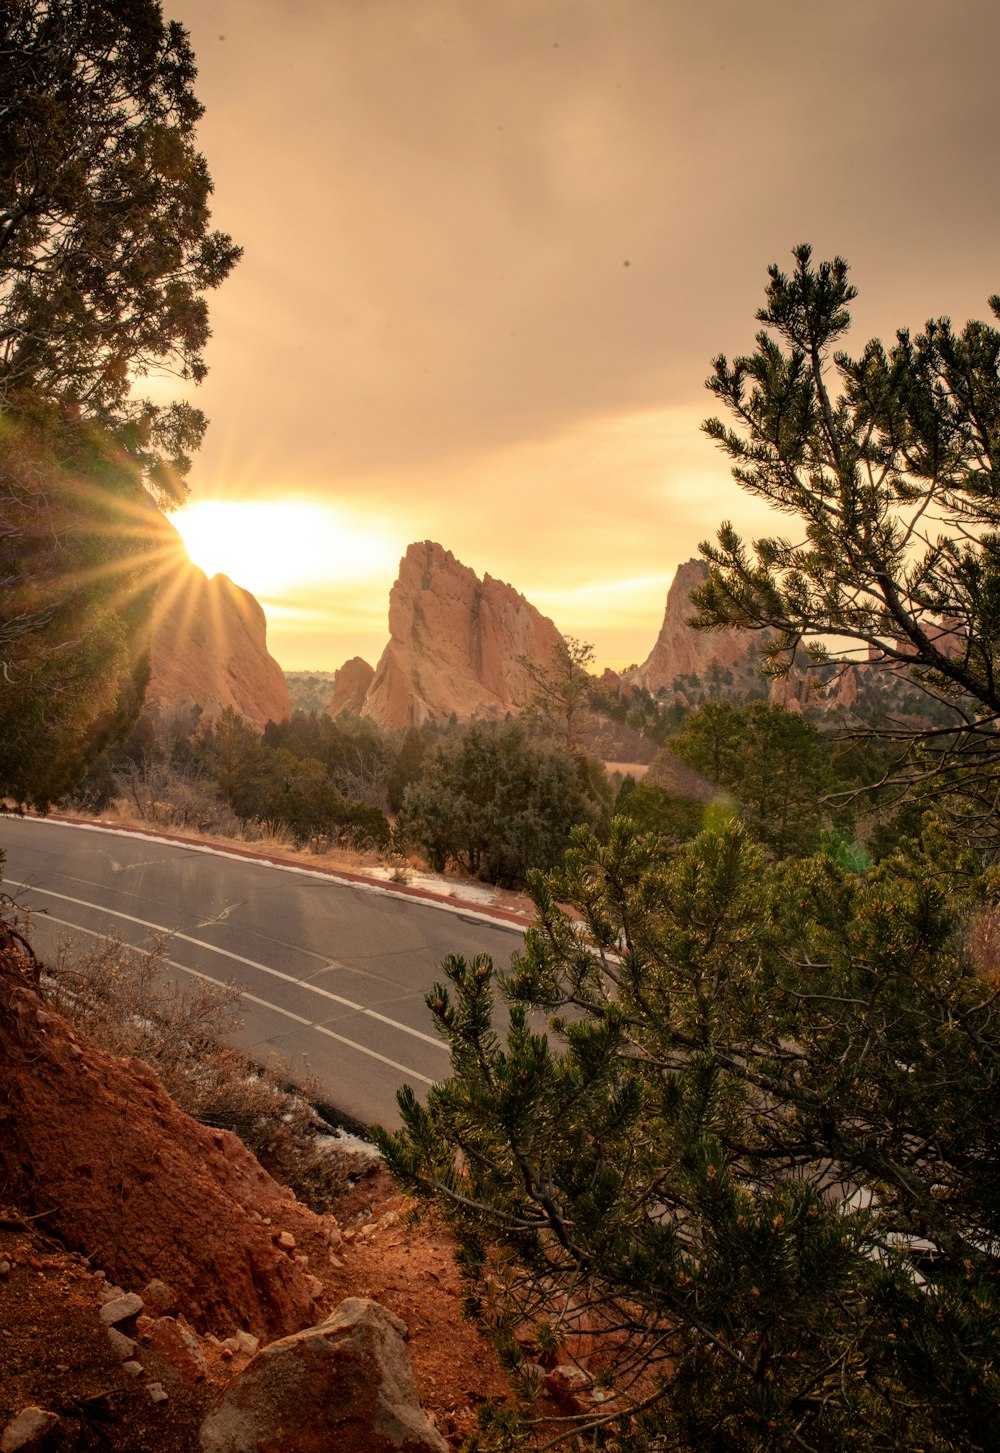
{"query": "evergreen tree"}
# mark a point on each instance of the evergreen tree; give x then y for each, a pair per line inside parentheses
(496, 802)
(105, 256)
(771, 760)
(560, 701)
(755, 1153)
(105, 246)
(886, 466)
(407, 768)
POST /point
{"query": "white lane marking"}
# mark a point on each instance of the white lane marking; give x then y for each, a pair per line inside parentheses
(240, 959)
(264, 1003)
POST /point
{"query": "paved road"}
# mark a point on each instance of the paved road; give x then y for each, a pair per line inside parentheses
(331, 971)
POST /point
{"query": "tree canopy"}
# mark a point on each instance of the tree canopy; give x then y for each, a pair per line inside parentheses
(497, 802)
(753, 1153)
(771, 760)
(105, 244)
(106, 253)
(756, 1149)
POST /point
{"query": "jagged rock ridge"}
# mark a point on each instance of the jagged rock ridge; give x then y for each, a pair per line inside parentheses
(209, 644)
(454, 644)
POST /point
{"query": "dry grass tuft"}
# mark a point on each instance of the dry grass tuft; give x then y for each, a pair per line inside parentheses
(127, 1002)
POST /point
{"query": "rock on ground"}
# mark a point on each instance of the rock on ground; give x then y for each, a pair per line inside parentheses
(346, 1384)
(31, 1428)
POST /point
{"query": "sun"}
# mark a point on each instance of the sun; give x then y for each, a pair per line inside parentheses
(270, 547)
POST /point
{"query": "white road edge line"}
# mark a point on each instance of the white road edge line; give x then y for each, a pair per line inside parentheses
(264, 1003)
(237, 958)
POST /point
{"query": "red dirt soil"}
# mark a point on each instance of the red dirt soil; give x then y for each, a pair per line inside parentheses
(101, 1172)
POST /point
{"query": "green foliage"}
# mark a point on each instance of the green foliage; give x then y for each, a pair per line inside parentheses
(560, 702)
(285, 786)
(765, 1095)
(105, 249)
(75, 548)
(310, 690)
(654, 809)
(771, 760)
(407, 768)
(105, 254)
(497, 802)
(885, 464)
(357, 757)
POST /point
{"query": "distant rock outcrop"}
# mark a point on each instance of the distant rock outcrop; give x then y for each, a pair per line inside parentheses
(836, 694)
(454, 644)
(680, 650)
(350, 687)
(209, 644)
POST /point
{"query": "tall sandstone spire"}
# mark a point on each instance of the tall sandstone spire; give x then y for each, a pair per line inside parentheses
(209, 643)
(454, 644)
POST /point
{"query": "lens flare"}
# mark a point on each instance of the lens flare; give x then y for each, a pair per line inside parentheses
(271, 547)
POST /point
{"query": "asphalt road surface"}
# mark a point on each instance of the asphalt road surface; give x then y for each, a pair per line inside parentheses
(333, 974)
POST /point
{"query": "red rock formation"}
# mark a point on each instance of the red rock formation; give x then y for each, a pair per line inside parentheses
(96, 1148)
(680, 650)
(350, 687)
(454, 644)
(209, 644)
(800, 688)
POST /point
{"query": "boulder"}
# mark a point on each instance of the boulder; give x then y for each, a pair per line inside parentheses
(121, 1310)
(159, 1300)
(29, 1431)
(346, 1384)
(455, 643)
(177, 1345)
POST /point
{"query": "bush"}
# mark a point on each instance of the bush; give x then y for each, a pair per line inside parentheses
(496, 802)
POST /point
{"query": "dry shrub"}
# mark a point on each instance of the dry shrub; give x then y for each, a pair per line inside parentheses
(266, 832)
(127, 1002)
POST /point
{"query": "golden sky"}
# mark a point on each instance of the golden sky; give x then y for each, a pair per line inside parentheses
(491, 247)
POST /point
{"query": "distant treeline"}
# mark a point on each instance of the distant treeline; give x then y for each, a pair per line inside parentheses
(495, 799)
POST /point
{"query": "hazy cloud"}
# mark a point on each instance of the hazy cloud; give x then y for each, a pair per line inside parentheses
(483, 239)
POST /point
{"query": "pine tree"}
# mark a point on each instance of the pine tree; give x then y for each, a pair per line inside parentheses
(755, 1153)
(885, 466)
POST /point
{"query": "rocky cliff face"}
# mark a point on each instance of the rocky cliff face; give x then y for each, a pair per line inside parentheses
(99, 1168)
(209, 644)
(680, 650)
(454, 644)
(800, 690)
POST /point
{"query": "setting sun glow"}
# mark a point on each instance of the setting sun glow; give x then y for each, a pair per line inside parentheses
(272, 546)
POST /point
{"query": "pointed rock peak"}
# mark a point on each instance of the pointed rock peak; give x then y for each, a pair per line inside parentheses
(209, 643)
(682, 651)
(455, 643)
